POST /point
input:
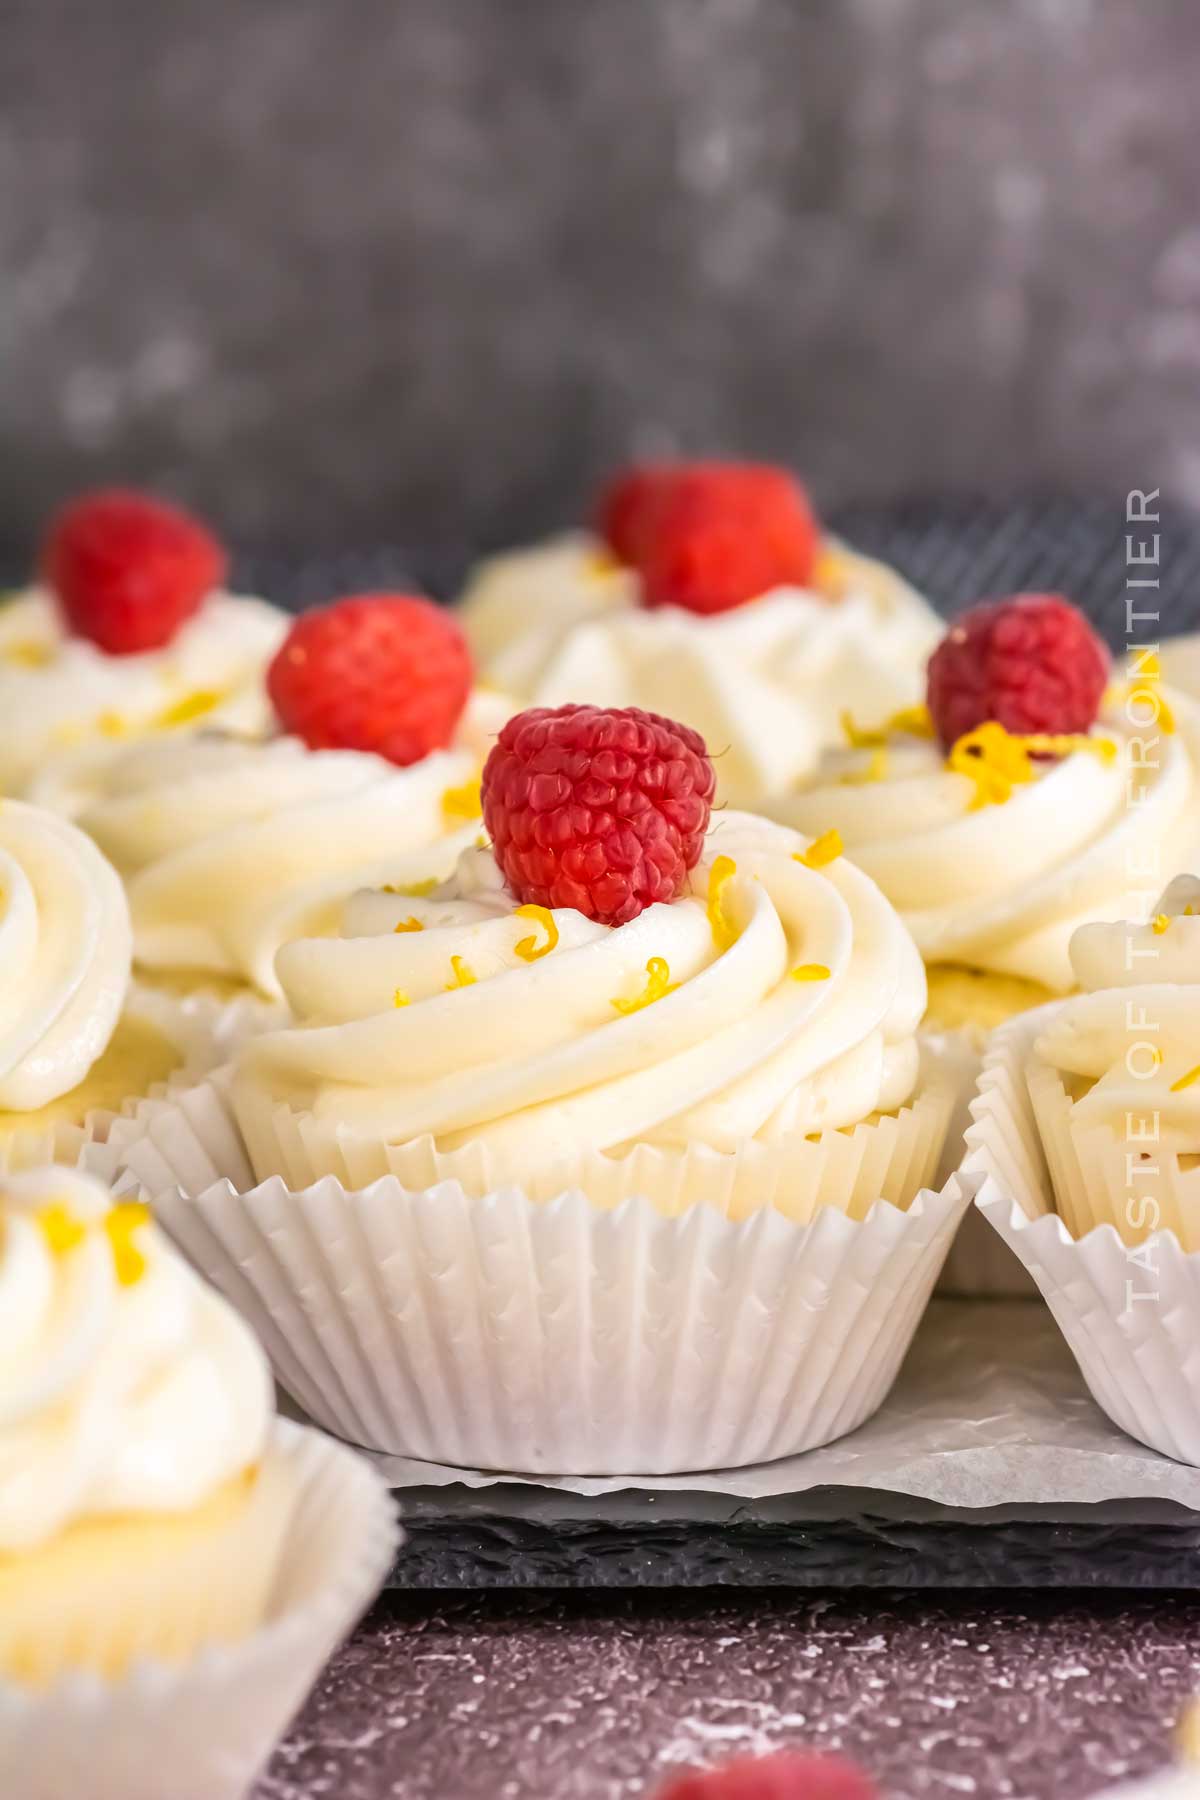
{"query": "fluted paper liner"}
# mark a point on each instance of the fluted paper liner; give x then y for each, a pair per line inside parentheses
(206, 1031)
(1130, 1312)
(979, 1263)
(561, 1335)
(889, 1155)
(203, 1730)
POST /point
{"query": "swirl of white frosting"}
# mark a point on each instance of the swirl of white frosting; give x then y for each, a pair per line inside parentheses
(1001, 887)
(448, 1015)
(126, 1384)
(65, 949)
(63, 697)
(1133, 1033)
(763, 683)
(228, 848)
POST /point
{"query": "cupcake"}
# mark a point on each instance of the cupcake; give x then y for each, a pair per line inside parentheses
(1086, 1130)
(129, 633)
(709, 593)
(1017, 805)
(632, 1108)
(76, 1040)
(229, 848)
(153, 1528)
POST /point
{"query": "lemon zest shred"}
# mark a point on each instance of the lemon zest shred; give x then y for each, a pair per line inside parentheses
(409, 924)
(658, 985)
(60, 1228)
(1186, 1081)
(1160, 924)
(464, 974)
(464, 802)
(996, 760)
(810, 972)
(822, 851)
(528, 948)
(120, 1225)
(413, 890)
(913, 721)
(28, 653)
(185, 711)
(719, 876)
(400, 998)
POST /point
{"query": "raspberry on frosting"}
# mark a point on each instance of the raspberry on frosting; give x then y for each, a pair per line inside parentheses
(788, 1775)
(128, 570)
(384, 672)
(709, 536)
(603, 810)
(1031, 663)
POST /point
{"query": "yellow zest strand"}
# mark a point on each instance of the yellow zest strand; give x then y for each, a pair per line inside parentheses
(822, 851)
(719, 876)
(464, 802)
(112, 725)
(528, 948)
(657, 987)
(186, 711)
(914, 721)
(1160, 924)
(1186, 1081)
(60, 1228)
(996, 761)
(830, 576)
(1156, 1056)
(875, 770)
(415, 890)
(409, 924)
(400, 998)
(810, 972)
(464, 975)
(120, 1225)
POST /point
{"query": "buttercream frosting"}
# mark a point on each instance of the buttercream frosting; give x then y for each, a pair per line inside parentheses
(763, 683)
(776, 997)
(228, 848)
(65, 950)
(61, 697)
(126, 1384)
(995, 873)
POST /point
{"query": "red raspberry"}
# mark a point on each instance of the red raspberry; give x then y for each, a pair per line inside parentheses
(711, 536)
(601, 809)
(383, 672)
(1031, 663)
(128, 570)
(786, 1776)
(626, 508)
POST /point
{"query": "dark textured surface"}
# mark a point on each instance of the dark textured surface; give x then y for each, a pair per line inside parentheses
(854, 1552)
(417, 271)
(1030, 1697)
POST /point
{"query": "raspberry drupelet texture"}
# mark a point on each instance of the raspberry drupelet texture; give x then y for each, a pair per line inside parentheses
(788, 1775)
(603, 810)
(128, 570)
(709, 536)
(1031, 663)
(384, 672)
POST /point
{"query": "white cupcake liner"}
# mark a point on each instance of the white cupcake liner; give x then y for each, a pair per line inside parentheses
(550, 1336)
(207, 1032)
(1130, 1313)
(979, 1263)
(888, 1156)
(202, 1731)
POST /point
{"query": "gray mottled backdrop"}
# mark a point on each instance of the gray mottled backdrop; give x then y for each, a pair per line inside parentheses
(419, 269)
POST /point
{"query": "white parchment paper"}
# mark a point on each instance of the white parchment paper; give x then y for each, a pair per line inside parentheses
(989, 1416)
